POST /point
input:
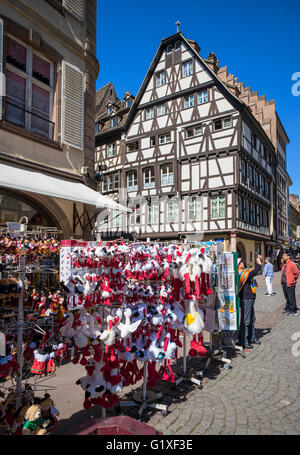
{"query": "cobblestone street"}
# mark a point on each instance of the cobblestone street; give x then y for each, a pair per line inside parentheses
(260, 394)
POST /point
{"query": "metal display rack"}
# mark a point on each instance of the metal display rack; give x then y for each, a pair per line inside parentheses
(22, 230)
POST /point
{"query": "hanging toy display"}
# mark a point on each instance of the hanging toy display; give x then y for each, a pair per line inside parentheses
(126, 305)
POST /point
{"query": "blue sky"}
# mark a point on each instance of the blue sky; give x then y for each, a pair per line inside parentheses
(259, 41)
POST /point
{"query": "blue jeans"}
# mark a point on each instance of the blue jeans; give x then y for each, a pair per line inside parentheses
(247, 331)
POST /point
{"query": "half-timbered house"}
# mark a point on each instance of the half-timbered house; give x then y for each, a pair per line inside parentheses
(190, 154)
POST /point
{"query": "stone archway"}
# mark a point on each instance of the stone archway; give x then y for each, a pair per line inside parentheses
(241, 250)
(46, 207)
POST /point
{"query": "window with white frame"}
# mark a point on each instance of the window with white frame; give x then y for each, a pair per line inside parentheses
(217, 207)
(110, 150)
(220, 124)
(167, 175)
(135, 216)
(153, 213)
(187, 68)
(172, 211)
(189, 101)
(149, 177)
(202, 97)
(227, 122)
(160, 79)
(192, 131)
(164, 138)
(195, 209)
(113, 122)
(110, 182)
(161, 109)
(149, 113)
(128, 103)
(109, 110)
(116, 219)
(29, 88)
(132, 181)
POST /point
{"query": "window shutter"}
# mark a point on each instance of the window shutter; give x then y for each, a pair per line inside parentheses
(72, 106)
(2, 79)
(75, 7)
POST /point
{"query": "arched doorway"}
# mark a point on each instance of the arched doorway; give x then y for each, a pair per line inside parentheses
(13, 206)
(241, 250)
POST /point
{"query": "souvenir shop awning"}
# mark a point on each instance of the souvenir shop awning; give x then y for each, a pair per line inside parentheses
(36, 182)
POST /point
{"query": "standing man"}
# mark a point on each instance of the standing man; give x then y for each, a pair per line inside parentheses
(268, 274)
(247, 295)
(289, 277)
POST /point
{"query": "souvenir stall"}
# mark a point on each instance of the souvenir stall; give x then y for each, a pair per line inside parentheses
(128, 304)
(30, 310)
(120, 309)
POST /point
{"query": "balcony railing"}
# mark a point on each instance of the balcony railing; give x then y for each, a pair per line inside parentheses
(28, 120)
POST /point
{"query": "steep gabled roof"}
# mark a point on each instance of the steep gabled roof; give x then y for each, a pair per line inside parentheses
(155, 61)
(224, 89)
(103, 95)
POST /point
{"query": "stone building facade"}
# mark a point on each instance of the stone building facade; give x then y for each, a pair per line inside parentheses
(49, 69)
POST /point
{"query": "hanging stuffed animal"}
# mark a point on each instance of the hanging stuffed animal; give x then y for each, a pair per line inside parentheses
(128, 328)
(93, 384)
(108, 336)
(194, 317)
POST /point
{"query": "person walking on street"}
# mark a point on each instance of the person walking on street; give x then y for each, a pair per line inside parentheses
(247, 295)
(289, 277)
(268, 274)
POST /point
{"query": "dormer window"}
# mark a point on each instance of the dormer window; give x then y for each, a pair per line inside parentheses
(109, 110)
(169, 49)
(128, 103)
(177, 45)
(113, 122)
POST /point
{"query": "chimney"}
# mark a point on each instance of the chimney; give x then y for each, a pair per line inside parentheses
(213, 62)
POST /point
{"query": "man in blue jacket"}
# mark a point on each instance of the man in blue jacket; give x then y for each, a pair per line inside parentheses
(268, 274)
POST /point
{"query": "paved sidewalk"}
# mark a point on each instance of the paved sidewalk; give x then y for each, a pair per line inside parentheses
(259, 395)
